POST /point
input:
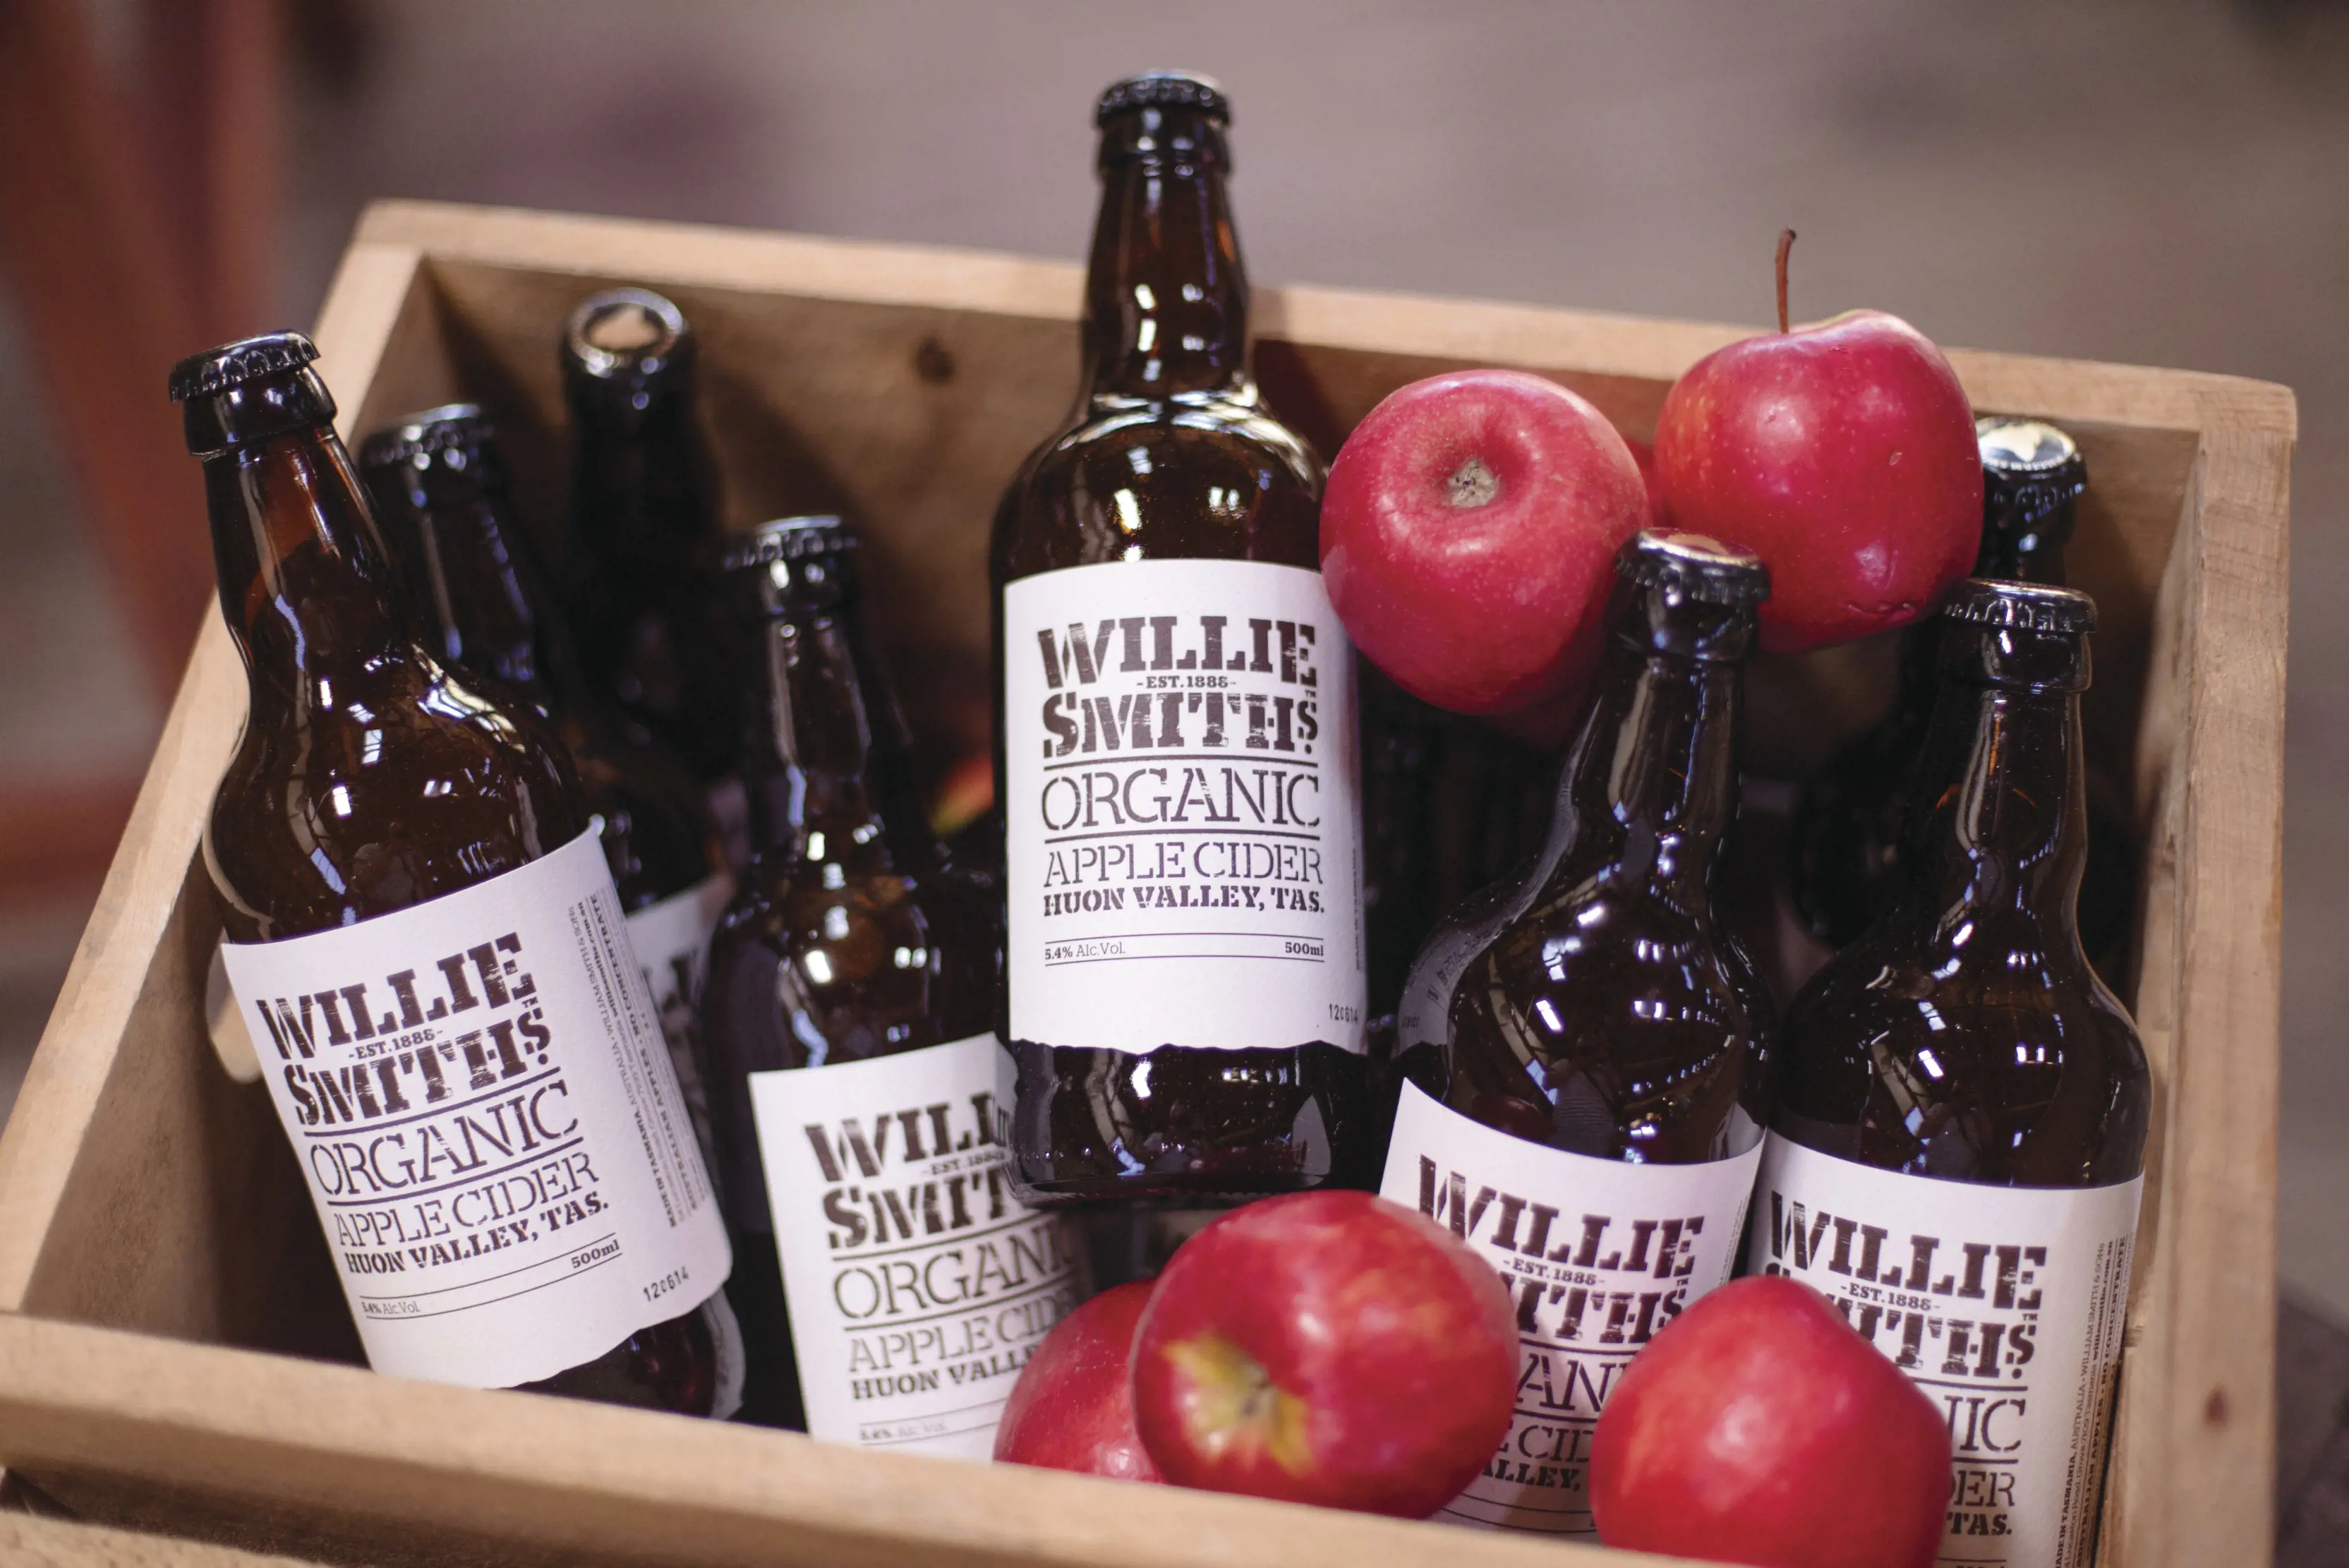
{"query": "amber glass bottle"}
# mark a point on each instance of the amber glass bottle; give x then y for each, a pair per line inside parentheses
(1957, 1149)
(472, 575)
(640, 583)
(1585, 1047)
(379, 808)
(1184, 972)
(1847, 824)
(857, 1085)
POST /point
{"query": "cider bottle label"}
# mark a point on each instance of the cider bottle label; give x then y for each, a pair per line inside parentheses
(918, 1286)
(1599, 1256)
(1183, 816)
(479, 1096)
(2004, 1304)
(671, 939)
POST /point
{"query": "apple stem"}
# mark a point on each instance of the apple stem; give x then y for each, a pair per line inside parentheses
(1785, 243)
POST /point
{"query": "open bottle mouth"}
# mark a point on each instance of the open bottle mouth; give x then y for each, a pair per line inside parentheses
(626, 335)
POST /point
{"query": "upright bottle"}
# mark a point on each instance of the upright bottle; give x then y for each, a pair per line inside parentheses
(858, 1086)
(471, 573)
(1587, 1056)
(1184, 949)
(423, 930)
(1958, 1142)
(640, 584)
(1848, 821)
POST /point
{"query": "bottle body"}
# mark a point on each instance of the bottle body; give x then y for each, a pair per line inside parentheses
(470, 571)
(1178, 750)
(860, 1091)
(640, 581)
(1586, 1057)
(386, 843)
(1965, 1106)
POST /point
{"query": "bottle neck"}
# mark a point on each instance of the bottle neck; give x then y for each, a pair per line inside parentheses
(2005, 836)
(305, 586)
(1165, 296)
(1649, 786)
(639, 499)
(2036, 557)
(474, 576)
(827, 762)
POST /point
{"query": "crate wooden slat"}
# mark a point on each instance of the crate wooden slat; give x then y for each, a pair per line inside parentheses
(154, 1234)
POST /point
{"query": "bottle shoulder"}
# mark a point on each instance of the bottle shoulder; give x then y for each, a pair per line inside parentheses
(815, 962)
(1196, 477)
(408, 785)
(1604, 1019)
(1997, 1065)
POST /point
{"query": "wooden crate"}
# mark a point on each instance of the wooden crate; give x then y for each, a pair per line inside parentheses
(160, 1270)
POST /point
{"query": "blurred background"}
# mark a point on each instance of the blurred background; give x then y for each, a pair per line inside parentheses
(2164, 181)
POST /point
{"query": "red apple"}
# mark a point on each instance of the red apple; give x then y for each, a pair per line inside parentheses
(1072, 1409)
(1468, 537)
(1327, 1348)
(1759, 1428)
(1842, 453)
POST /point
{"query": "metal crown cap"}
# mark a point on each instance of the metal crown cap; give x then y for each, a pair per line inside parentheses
(2022, 607)
(452, 427)
(234, 364)
(1694, 567)
(2028, 469)
(789, 539)
(1165, 90)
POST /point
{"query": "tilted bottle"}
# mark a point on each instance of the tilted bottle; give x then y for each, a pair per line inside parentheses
(1586, 1057)
(640, 570)
(1958, 1142)
(1177, 749)
(889, 1286)
(422, 928)
(1849, 820)
(474, 578)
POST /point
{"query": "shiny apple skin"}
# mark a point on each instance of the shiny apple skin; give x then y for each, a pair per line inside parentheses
(1488, 608)
(1758, 1427)
(1393, 1344)
(1072, 1409)
(1844, 455)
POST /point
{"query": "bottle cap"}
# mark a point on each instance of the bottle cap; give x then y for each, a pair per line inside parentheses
(2032, 472)
(1694, 567)
(2022, 607)
(459, 432)
(627, 338)
(788, 539)
(234, 364)
(1164, 89)
(250, 390)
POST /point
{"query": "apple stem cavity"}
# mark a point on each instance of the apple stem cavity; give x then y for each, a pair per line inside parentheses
(1785, 245)
(1472, 483)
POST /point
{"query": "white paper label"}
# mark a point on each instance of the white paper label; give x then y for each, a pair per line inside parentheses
(481, 1099)
(919, 1287)
(2005, 1304)
(1597, 1254)
(671, 939)
(1184, 836)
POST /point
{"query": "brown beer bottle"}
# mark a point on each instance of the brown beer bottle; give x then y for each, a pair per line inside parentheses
(641, 580)
(1960, 1135)
(424, 935)
(857, 1085)
(1587, 1057)
(1176, 734)
(472, 575)
(1849, 820)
